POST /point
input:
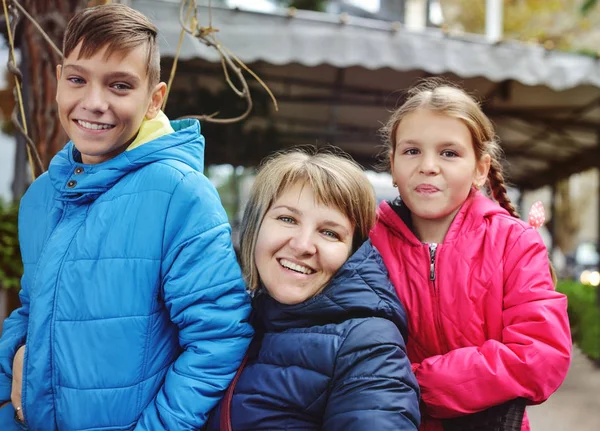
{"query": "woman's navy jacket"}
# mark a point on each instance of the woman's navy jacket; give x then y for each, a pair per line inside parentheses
(334, 362)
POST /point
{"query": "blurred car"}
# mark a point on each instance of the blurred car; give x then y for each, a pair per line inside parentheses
(583, 264)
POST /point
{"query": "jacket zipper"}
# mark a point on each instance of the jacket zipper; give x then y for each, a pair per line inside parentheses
(436, 302)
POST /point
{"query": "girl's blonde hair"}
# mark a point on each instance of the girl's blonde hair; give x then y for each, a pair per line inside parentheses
(336, 181)
(439, 96)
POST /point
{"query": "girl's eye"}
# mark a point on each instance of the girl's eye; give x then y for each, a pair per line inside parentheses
(76, 80)
(286, 219)
(449, 153)
(331, 234)
(411, 152)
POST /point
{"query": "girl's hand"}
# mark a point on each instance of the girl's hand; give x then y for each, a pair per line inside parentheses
(17, 383)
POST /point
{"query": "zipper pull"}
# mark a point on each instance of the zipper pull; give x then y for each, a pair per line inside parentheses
(432, 249)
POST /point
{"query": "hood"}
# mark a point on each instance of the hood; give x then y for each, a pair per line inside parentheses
(472, 215)
(185, 145)
(361, 288)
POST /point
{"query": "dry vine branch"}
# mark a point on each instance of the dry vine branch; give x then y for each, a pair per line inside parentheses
(12, 19)
(38, 27)
(206, 35)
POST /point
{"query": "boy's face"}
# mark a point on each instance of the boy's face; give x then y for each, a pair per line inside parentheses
(103, 101)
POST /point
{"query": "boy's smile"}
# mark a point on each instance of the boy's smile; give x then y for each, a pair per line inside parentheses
(102, 100)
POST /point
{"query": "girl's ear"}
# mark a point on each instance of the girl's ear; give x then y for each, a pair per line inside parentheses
(482, 169)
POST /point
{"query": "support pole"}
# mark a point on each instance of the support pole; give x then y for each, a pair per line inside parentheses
(553, 221)
(494, 20)
(334, 113)
(520, 201)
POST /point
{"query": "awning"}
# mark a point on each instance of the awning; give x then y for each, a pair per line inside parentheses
(336, 82)
(313, 38)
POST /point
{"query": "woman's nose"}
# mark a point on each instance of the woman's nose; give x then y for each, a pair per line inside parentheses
(302, 242)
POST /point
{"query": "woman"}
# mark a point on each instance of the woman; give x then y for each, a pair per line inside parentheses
(329, 352)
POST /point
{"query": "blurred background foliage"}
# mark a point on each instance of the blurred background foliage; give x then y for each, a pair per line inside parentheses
(584, 316)
(571, 25)
(10, 255)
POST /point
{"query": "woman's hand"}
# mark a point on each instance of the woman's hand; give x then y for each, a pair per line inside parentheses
(17, 382)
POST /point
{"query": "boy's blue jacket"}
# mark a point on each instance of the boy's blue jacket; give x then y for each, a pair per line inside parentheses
(335, 362)
(134, 311)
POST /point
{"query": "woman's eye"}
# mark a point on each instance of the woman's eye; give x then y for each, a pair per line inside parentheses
(331, 234)
(286, 219)
(76, 80)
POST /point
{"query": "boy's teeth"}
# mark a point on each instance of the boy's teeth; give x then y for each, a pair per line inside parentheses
(298, 268)
(93, 126)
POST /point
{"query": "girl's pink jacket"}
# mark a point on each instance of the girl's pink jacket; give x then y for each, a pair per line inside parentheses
(485, 323)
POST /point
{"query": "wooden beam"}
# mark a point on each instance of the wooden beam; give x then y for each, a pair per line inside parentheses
(566, 168)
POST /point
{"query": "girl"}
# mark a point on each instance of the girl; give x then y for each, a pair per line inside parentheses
(329, 354)
(485, 323)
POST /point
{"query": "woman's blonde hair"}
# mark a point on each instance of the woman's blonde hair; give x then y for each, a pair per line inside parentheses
(442, 97)
(336, 181)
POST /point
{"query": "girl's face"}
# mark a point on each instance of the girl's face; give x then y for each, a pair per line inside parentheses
(434, 166)
(300, 246)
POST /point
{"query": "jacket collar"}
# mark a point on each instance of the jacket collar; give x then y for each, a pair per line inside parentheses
(472, 214)
(79, 182)
(361, 288)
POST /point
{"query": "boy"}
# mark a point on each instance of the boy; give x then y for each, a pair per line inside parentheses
(134, 312)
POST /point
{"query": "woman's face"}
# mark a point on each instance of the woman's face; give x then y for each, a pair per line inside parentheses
(301, 244)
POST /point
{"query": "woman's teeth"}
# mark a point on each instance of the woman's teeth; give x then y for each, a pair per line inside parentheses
(294, 267)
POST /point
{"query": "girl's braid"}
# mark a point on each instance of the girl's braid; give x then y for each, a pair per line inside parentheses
(498, 187)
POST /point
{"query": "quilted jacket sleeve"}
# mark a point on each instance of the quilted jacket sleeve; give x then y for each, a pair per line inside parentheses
(531, 360)
(14, 331)
(373, 387)
(206, 298)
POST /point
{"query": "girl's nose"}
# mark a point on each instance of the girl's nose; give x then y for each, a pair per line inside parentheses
(429, 165)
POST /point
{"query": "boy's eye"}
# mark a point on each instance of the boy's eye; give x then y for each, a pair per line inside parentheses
(76, 80)
(449, 153)
(411, 151)
(121, 86)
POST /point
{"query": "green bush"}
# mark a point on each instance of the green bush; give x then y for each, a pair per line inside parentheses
(584, 314)
(11, 268)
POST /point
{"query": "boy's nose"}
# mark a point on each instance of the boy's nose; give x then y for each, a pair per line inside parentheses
(95, 101)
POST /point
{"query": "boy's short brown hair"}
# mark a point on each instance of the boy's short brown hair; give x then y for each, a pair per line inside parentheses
(119, 28)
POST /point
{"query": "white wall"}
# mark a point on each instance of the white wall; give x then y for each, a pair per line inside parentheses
(7, 143)
(7, 160)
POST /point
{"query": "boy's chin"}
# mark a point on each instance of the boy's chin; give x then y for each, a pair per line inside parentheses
(91, 156)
